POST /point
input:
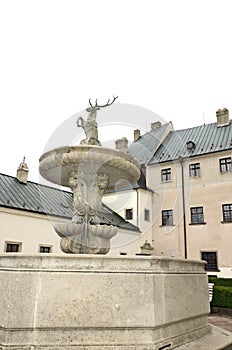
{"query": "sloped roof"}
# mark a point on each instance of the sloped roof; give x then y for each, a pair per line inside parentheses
(143, 148)
(41, 199)
(206, 139)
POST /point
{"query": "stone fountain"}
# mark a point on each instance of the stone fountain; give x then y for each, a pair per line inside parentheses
(99, 302)
(88, 170)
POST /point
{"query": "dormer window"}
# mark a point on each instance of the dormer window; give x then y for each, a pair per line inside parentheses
(190, 145)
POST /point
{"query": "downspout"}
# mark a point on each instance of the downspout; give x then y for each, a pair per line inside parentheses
(137, 209)
(181, 160)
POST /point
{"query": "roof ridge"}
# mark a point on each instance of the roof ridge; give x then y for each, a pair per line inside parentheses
(36, 183)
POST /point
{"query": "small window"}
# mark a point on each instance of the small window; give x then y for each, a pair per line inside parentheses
(45, 249)
(197, 215)
(167, 217)
(13, 247)
(225, 164)
(194, 170)
(190, 145)
(166, 175)
(211, 259)
(227, 212)
(129, 214)
(146, 215)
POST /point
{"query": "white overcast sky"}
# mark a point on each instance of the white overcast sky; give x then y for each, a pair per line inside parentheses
(171, 57)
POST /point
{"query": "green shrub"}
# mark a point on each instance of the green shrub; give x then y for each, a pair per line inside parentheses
(226, 282)
(222, 296)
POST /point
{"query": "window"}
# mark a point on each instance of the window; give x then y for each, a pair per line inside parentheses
(197, 216)
(166, 175)
(227, 212)
(129, 214)
(146, 215)
(211, 259)
(13, 247)
(45, 249)
(167, 218)
(225, 164)
(190, 145)
(194, 170)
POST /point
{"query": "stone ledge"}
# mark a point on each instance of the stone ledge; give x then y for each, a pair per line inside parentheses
(219, 339)
(86, 263)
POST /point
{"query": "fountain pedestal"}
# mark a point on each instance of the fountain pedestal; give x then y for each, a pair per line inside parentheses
(79, 302)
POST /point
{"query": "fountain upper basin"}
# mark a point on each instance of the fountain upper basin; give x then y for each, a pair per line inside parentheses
(57, 164)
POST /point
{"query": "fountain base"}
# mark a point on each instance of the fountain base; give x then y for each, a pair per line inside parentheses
(77, 302)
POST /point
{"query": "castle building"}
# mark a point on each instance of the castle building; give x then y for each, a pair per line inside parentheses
(187, 201)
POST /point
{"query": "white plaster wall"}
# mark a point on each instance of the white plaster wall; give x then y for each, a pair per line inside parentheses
(120, 201)
(28, 228)
(33, 230)
(138, 200)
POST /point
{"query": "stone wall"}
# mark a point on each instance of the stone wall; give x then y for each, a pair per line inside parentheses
(85, 302)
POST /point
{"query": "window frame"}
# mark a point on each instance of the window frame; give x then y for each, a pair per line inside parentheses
(197, 217)
(195, 170)
(129, 210)
(41, 246)
(147, 215)
(166, 175)
(167, 214)
(225, 164)
(208, 266)
(225, 211)
(12, 243)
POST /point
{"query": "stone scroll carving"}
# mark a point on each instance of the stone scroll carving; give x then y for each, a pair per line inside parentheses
(85, 234)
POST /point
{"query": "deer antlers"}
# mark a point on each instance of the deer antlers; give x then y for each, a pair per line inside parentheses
(101, 106)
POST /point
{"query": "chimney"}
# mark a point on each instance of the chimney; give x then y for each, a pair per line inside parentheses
(122, 144)
(22, 172)
(155, 125)
(136, 134)
(222, 117)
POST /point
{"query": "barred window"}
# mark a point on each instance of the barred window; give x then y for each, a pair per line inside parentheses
(194, 170)
(225, 164)
(227, 212)
(211, 259)
(167, 217)
(197, 215)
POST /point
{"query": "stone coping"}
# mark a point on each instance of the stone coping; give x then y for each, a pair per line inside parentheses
(89, 263)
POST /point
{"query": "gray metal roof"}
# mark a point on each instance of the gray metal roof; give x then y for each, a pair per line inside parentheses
(206, 138)
(41, 199)
(143, 148)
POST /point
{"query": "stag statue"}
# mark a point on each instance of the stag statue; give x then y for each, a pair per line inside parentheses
(90, 125)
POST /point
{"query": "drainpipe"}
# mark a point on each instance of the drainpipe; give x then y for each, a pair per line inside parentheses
(181, 160)
(137, 209)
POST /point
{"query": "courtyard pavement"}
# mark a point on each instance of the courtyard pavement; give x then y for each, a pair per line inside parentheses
(222, 321)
